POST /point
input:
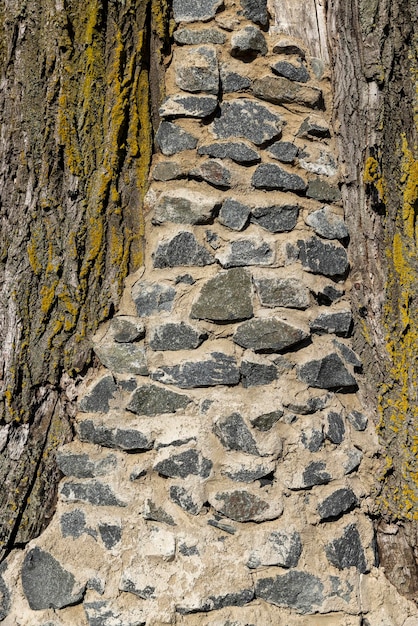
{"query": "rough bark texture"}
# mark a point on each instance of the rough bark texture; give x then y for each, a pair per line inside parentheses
(75, 147)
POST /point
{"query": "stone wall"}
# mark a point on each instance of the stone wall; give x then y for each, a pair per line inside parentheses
(223, 470)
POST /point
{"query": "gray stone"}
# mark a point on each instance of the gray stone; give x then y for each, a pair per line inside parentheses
(312, 439)
(248, 43)
(188, 36)
(214, 603)
(123, 358)
(195, 10)
(156, 513)
(319, 189)
(339, 323)
(314, 128)
(182, 250)
(284, 292)
(276, 219)
(305, 406)
(234, 434)
(329, 294)
(212, 239)
(184, 499)
(336, 504)
(254, 374)
(81, 466)
(298, 73)
(248, 119)
(318, 67)
(315, 474)
(269, 176)
(73, 524)
(297, 590)
(243, 252)
(327, 373)
(327, 224)
(126, 439)
(270, 333)
(126, 329)
(152, 400)
(93, 492)
(214, 172)
(96, 400)
(171, 139)
(219, 369)
(321, 162)
(5, 600)
(185, 279)
(347, 551)
(242, 506)
(225, 298)
(185, 206)
(196, 69)
(150, 298)
(218, 523)
(169, 170)
(348, 354)
(353, 460)
(283, 151)
(266, 421)
(100, 613)
(235, 150)
(232, 82)
(234, 214)
(281, 549)
(357, 420)
(323, 258)
(286, 45)
(181, 105)
(248, 474)
(187, 463)
(256, 11)
(280, 90)
(46, 584)
(111, 534)
(335, 427)
(186, 550)
(176, 337)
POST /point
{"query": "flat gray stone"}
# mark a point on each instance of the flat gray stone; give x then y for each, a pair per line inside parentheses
(314, 128)
(227, 297)
(280, 90)
(283, 151)
(323, 258)
(270, 176)
(214, 172)
(319, 189)
(73, 524)
(232, 82)
(234, 434)
(196, 69)
(176, 337)
(187, 36)
(151, 298)
(122, 358)
(195, 10)
(270, 333)
(127, 439)
(248, 474)
(254, 374)
(172, 139)
(126, 329)
(339, 502)
(182, 250)
(315, 474)
(184, 206)
(298, 73)
(81, 466)
(242, 506)
(327, 373)
(184, 499)
(313, 439)
(296, 590)
(46, 584)
(219, 369)
(181, 105)
(248, 43)
(283, 292)
(339, 323)
(335, 427)
(151, 400)
(110, 534)
(348, 354)
(169, 170)
(235, 150)
(329, 294)
(100, 613)
(266, 421)
(347, 551)
(234, 214)
(248, 119)
(97, 398)
(92, 492)
(358, 420)
(156, 513)
(276, 219)
(243, 252)
(214, 603)
(187, 463)
(327, 224)
(256, 11)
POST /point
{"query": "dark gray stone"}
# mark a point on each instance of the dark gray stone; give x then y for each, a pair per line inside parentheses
(81, 466)
(287, 45)
(336, 504)
(232, 82)
(313, 439)
(327, 224)
(156, 513)
(184, 499)
(195, 10)
(248, 43)
(288, 70)
(110, 534)
(248, 119)
(314, 128)
(248, 475)
(151, 298)
(181, 105)
(347, 551)
(5, 600)
(187, 463)
(284, 292)
(214, 603)
(212, 239)
(309, 405)
(196, 69)
(185, 279)
(329, 294)
(323, 258)
(283, 151)
(348, 354)
(297, 590)
(185, 206)
(241, 506)
(176, 337)
(235, 150)
(269, 176)
(327, 373)
(219, 369)
(266, 421)
(46, 584)
(126, 439)
(187, 36)
(284, 550)
(339, 323)
(171, 139)
(96, 400)
(276, 219)
(280, 90)
(357, 420)
(234, 434)
(256, 11)
(256, 374)
(152, 400)
(225, 298)
(73, 524)
(213, 172)
(218, 523)
(92, 492)
(186, 550)
(335, 427)
(126, 330)
(353, 460)
(319, 189)
(234, 214)
(123, 358)
(182, 249)
(243, 252)
(270, 333)
(316, 474)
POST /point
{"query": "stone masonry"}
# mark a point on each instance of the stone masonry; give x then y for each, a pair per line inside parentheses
(223, 468)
